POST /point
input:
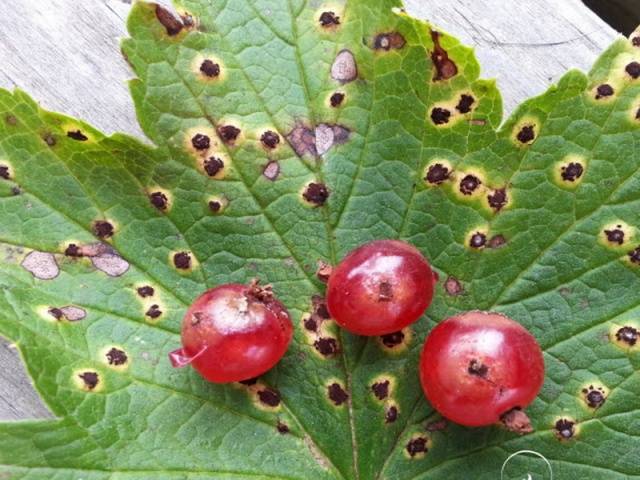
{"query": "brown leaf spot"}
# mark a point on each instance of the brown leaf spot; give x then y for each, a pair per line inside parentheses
(445, 67)
(388, 41)
(116, 357)
(571, 172)
(303, 140)
(594, 397)
(628, 335)
(316, 193)
(497, 241)
(391, 340)
(311, 323)
(527, 134)
(249, 382)
(603, 91)
(102, 229)
(469, 184)
(381, 389)
(329, 19)
(416, 446)
(11, 120)
(478, 240)
(635, 41)
(77, 135)
(326, 346)
(465, 104)
(270, 139)
(159, 200)
(153, 312)
(633, 69)
(56, 313)
(228, 133)
(110, 263)
(269, 397)
(201, 141)
(391, 414)
(210, 69)
(146, 291)
(90, 379)
(437, 425)
(336, 99)
(440, 116)
(564, 429)
(49, 139)
(172, 25)
(337, 394)
(213, 166)
(615, 235)
(182, 260)
(437, 174)
(4, 172)
(282, 428)
(497, 199)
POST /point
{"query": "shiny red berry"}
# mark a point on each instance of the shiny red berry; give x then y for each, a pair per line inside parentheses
(234, 332)
(479, 368)
(379, 288)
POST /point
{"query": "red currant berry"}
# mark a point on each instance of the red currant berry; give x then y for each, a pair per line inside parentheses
(380, 287)
(234, 332)
(479, 368)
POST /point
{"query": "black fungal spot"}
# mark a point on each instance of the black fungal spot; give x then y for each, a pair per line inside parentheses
(453, 286)
(172, 25)
(603, 91)
(215, 206)
(416, 446)
(269, 397)
(329, 19)
(337, 394)
(497, 199)
(388, 41)
(103, 229)
(445, 67)
(527, 134)
(159, 200)
(200, 141)
(153, 312)
(437, 174)
(228, 133)
(615, 235)
(249, 382)
(270, 139)
(633, 69)
(634, 256)
(564, 428)
(116, 357)
(594, 397)
(628, 335)
(90, 379)
(49, 139)
(469, 184)
(146, 291)
(478, 240)
(316, 193)
(210, 69)
(571, 172)
(72, 250)
(381, 389)
(4, 172)
(635, 41)
(213, 166)
(77, 135)
(56, 313)
(440, 116)
(465, 103)
(477, 369)
(391, 340)
(282, 427)
(326, 346)
(391, 414)
(336, 99)
(497, 241)
(182, 260)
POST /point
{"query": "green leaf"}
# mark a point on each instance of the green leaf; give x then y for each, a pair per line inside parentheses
(558, 256)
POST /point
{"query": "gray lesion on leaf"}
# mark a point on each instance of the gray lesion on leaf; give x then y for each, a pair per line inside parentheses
(271, 170)
(318, 141)
(344, 68)
(453, 286)
(42, 265)
(106, 259)
(69, 312)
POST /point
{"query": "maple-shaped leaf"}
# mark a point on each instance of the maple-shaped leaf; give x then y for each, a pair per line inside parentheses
(285, 133)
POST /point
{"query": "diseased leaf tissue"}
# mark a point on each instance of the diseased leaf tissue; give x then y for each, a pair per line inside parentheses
(287, 133)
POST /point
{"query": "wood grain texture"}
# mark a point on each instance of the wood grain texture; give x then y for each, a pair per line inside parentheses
(66, 54)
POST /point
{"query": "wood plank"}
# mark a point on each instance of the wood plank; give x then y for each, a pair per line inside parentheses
(66, 54)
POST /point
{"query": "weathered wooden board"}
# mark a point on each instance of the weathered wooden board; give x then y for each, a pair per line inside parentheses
(66, 54)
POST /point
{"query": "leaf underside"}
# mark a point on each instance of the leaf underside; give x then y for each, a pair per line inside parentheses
(536, 217)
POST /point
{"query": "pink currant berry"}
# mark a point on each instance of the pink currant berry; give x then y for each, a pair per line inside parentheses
(479, 368)
(234, 332)
(380, 288)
